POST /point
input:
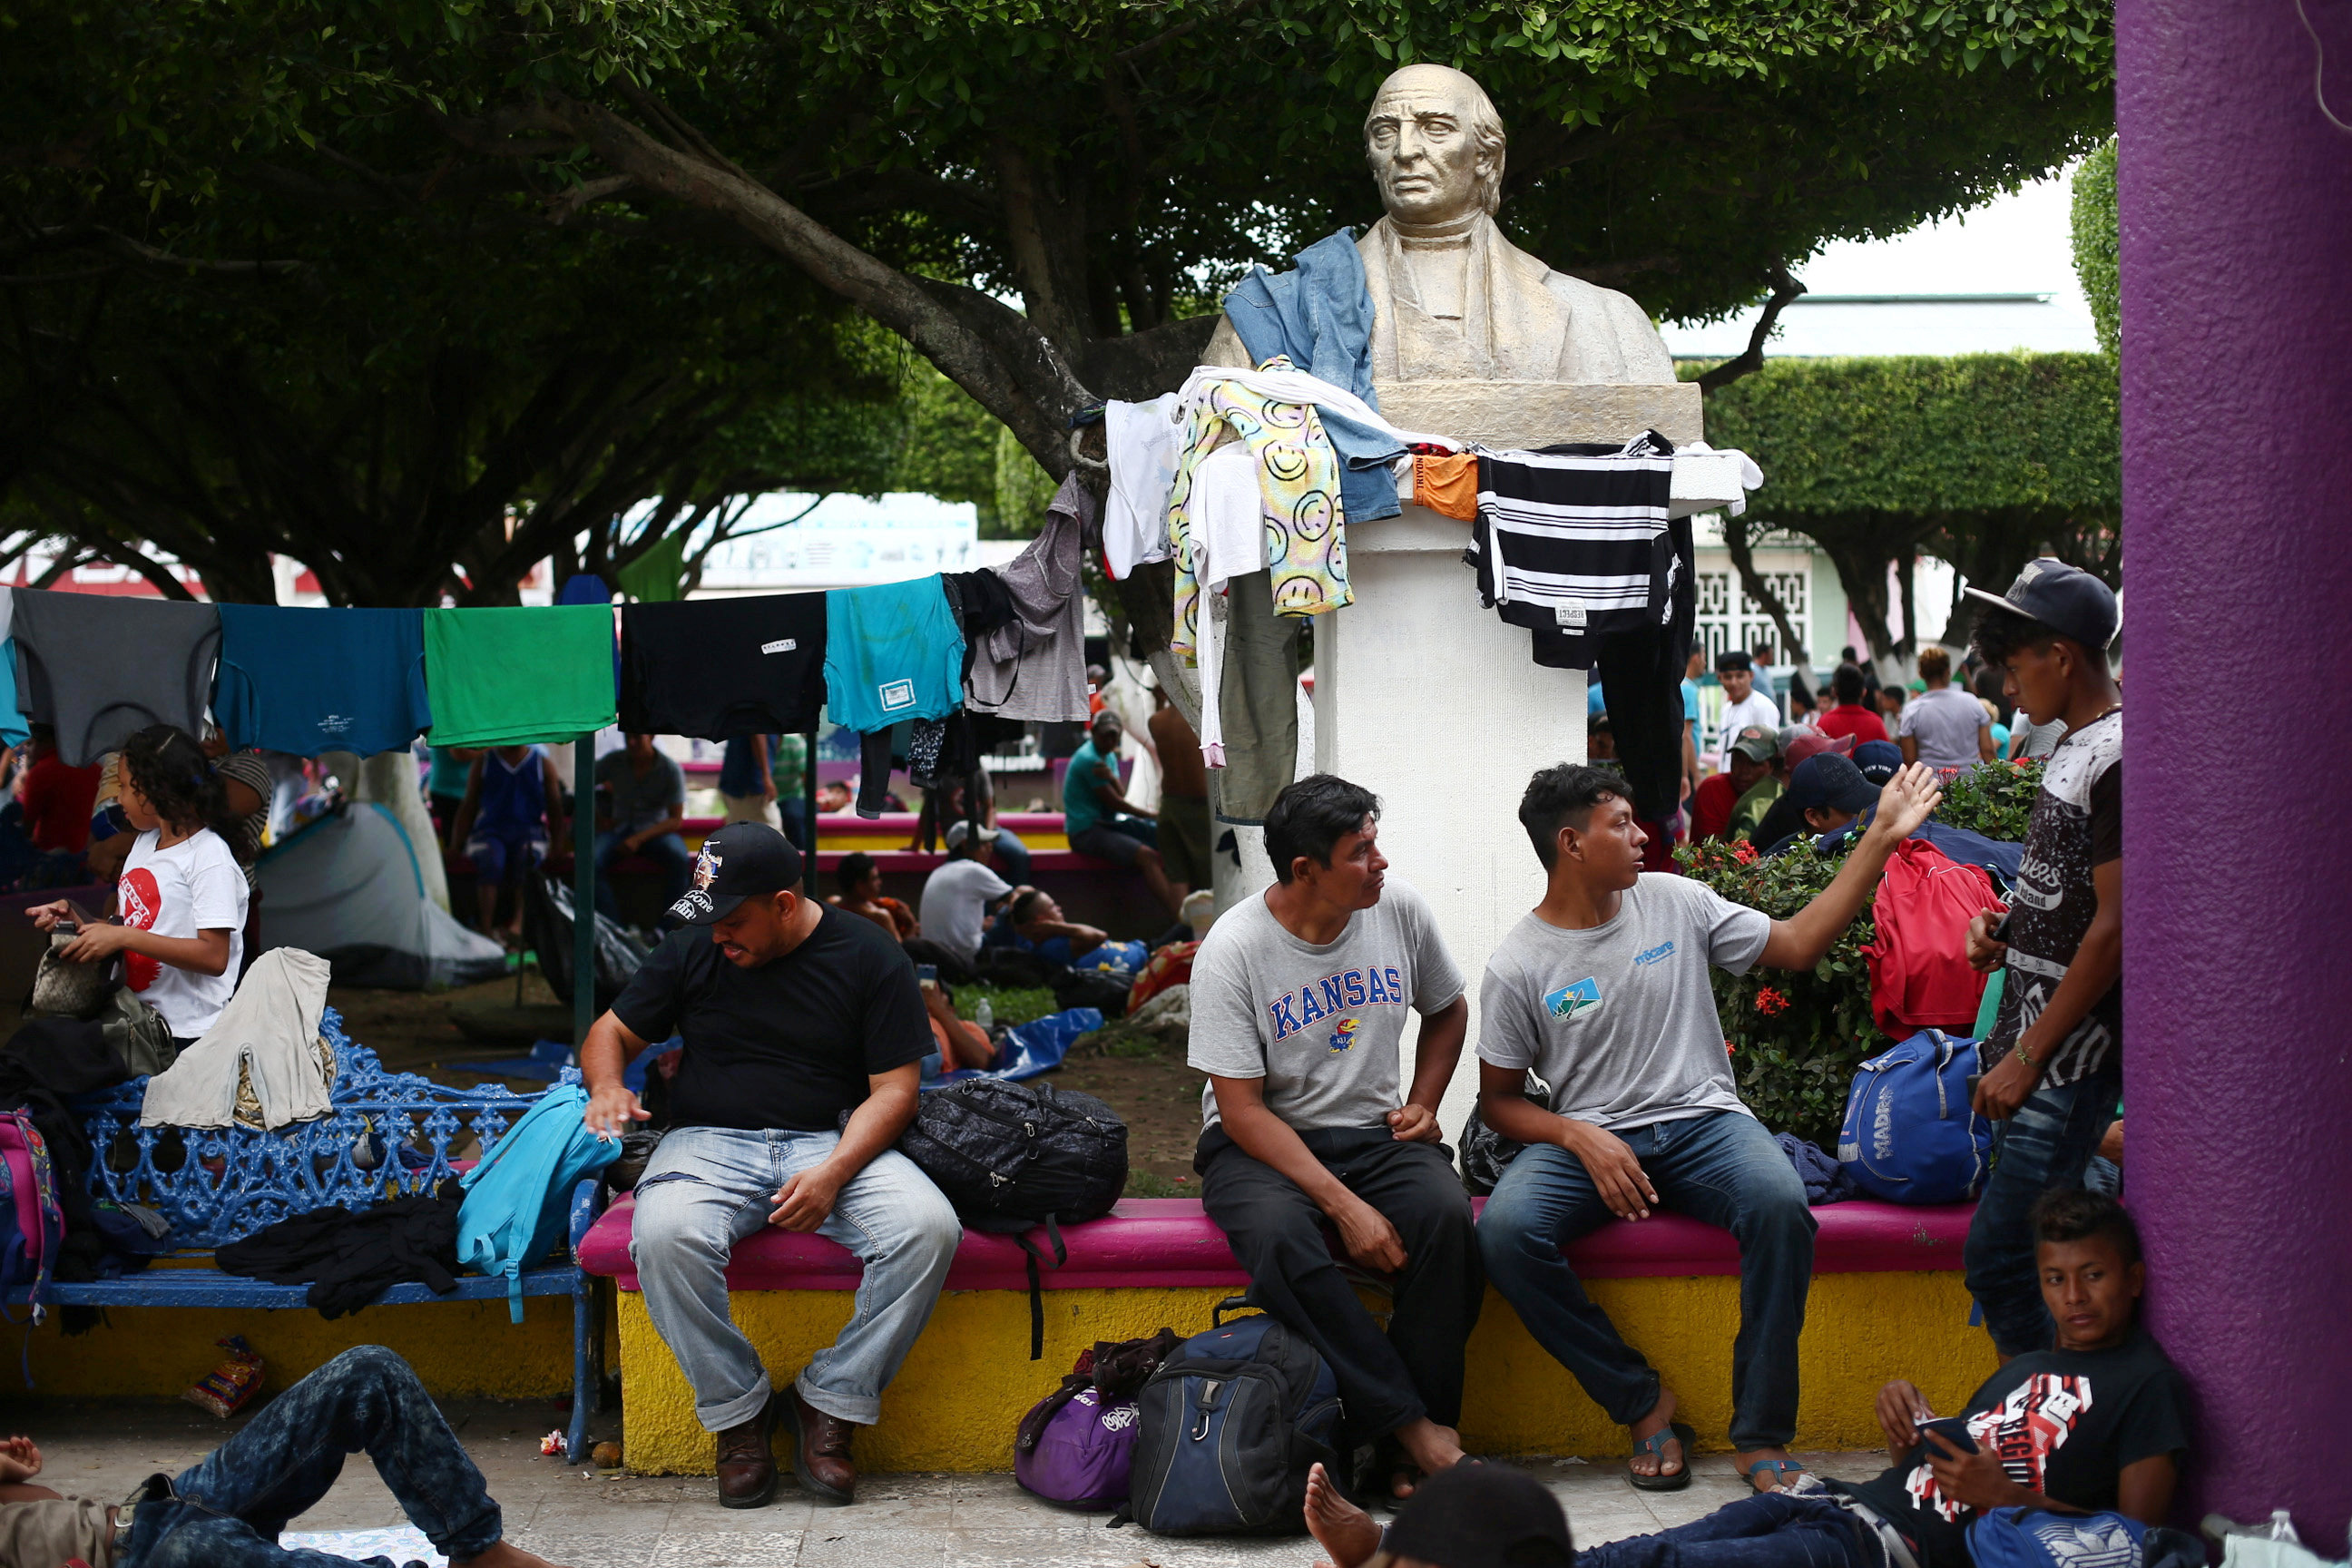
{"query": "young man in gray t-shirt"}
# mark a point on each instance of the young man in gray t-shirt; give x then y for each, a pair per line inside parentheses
(1603, 990)
(1299, 998)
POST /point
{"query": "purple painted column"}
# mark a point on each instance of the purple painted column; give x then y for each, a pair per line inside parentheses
(2235, 198)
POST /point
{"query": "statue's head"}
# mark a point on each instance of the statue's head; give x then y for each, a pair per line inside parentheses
(1435, 145)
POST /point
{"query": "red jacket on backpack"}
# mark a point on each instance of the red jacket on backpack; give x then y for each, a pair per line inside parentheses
(1919, 974)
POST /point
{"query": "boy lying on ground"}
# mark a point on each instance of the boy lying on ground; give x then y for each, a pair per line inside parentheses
(226, 1512)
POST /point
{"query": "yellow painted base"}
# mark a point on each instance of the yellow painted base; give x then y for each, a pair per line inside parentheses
(967, 1383)
(459, 1349)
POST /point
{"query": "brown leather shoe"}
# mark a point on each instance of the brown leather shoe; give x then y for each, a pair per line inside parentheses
(821, 1451)
(747, 1469)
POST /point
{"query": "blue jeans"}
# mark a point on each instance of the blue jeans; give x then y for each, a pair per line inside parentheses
(708, 1188)
(1771, 1530)
(1722, 1168)
(1012, 858)
(226, 1512)
(2048, 1144)
(668, 852)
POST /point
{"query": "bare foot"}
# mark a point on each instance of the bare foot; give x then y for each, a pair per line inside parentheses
(1668, 1461)
(1767, 1479)
(1339, 1526)
(505, 1554)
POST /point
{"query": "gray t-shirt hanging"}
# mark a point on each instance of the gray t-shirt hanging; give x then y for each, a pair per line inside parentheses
(1323, 1025)
(101, 668)
(1619, 1019)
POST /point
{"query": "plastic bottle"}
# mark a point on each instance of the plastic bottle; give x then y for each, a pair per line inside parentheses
(984, 1016)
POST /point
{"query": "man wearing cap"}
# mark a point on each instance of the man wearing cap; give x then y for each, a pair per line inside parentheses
(1742, 704)
(1825, 792)
(796, 1014)
(958, 894)
(1603, 991)
(1712, 804)
(2058, 1039)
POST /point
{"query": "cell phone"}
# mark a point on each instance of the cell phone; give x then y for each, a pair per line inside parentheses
(928, 975)
(1954, 1429)
(2000, 931)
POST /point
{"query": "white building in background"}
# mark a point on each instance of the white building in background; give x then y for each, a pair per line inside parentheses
(1998, 279)
(848, 541)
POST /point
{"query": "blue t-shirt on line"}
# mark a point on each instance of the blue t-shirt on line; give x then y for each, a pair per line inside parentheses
(891, 652)
(303, 681)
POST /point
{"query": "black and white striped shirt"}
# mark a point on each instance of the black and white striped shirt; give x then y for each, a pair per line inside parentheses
(1574, 539)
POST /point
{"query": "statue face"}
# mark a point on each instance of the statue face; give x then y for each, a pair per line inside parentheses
(1418, 139)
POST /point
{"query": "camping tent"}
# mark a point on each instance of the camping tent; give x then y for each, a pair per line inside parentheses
(351, 889)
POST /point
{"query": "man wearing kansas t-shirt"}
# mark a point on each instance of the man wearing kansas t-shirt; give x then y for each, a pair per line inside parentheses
(1299, 999)
(1603, 990)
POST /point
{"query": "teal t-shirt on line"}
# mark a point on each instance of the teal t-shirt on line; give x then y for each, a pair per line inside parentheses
(1081, 807)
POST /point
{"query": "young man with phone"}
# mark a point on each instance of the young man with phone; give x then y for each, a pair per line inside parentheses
(2057, 1046)
(2098, 1422)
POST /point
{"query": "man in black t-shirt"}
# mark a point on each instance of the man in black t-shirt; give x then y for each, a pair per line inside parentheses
(798, 1019)
(2097, 1424)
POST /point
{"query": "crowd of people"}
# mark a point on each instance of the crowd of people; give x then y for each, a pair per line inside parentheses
(1299, 1002)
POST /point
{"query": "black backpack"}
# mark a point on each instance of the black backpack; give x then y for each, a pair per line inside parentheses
(1013, 1156)
(1227, 1429)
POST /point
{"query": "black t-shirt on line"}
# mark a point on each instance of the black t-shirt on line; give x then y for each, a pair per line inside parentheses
(2064, 1424)
(789, 1045)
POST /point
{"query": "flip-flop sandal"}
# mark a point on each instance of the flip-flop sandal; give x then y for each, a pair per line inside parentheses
(1394, 1465)
(1778, 1468)
(1656, 1443)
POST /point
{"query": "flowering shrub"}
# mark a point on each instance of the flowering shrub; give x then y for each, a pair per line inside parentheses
(1992, 798)
(1795, 1039)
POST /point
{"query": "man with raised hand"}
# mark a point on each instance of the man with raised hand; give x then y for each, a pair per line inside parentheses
(1603, 991)
(1299, 998)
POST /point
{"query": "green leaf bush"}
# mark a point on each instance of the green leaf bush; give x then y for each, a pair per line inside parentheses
(1795, 1039)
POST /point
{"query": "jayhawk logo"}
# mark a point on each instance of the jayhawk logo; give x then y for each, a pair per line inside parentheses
(1345, 1035)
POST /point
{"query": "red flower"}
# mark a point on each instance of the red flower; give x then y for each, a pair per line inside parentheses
(1728, 1048)
(1744, 852)
(1769, 1002)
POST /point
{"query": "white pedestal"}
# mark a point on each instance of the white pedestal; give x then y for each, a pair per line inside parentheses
(1426, 698)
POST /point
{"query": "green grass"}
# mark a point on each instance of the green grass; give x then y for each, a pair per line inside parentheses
(1010, 1004)
(1146, 1184)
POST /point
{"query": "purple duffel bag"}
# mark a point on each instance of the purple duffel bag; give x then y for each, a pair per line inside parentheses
(1081, 1459)
(1076, 1445)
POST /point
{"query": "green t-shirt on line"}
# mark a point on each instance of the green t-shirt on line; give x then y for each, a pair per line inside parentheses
(512, 677)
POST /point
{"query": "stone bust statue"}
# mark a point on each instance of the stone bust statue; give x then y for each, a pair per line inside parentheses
(1453, 300)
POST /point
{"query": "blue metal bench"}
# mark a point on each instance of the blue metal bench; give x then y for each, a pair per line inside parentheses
(237, 1180)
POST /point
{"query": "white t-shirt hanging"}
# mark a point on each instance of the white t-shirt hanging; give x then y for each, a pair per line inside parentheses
(195, 886)
(1141, 439)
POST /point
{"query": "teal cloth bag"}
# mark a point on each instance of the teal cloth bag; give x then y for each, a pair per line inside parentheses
(517, 1197)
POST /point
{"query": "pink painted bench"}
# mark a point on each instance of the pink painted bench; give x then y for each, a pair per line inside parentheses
(1168, 1243)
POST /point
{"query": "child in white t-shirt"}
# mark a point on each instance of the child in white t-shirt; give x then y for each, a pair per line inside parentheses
(179, 901)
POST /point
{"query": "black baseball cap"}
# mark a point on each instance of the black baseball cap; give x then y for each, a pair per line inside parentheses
(2066, 599)
(1878, 759)
(1482, 1516)
(741, 860)
(1827, 779)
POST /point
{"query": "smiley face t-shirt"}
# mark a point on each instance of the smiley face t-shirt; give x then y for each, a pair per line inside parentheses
(1621, 1019)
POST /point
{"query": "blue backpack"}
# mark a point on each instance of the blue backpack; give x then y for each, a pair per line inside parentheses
(1227, 1429)
(517, 1197)
(1910, 1135)
(2038, 1538)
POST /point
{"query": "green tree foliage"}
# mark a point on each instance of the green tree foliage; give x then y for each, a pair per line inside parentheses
(1982, 459)
(2095, 244)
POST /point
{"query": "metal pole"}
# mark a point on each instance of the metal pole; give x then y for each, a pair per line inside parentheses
(583, 889)
(808, 813)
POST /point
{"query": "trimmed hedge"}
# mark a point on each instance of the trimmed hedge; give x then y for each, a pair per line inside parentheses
(1925, 436)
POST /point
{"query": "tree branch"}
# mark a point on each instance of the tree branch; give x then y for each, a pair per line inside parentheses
(1751, 582)
(1784, 289)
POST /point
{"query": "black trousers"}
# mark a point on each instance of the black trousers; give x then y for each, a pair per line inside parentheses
(1386, 1381)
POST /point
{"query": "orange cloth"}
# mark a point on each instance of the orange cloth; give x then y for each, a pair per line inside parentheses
(1448, 485)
